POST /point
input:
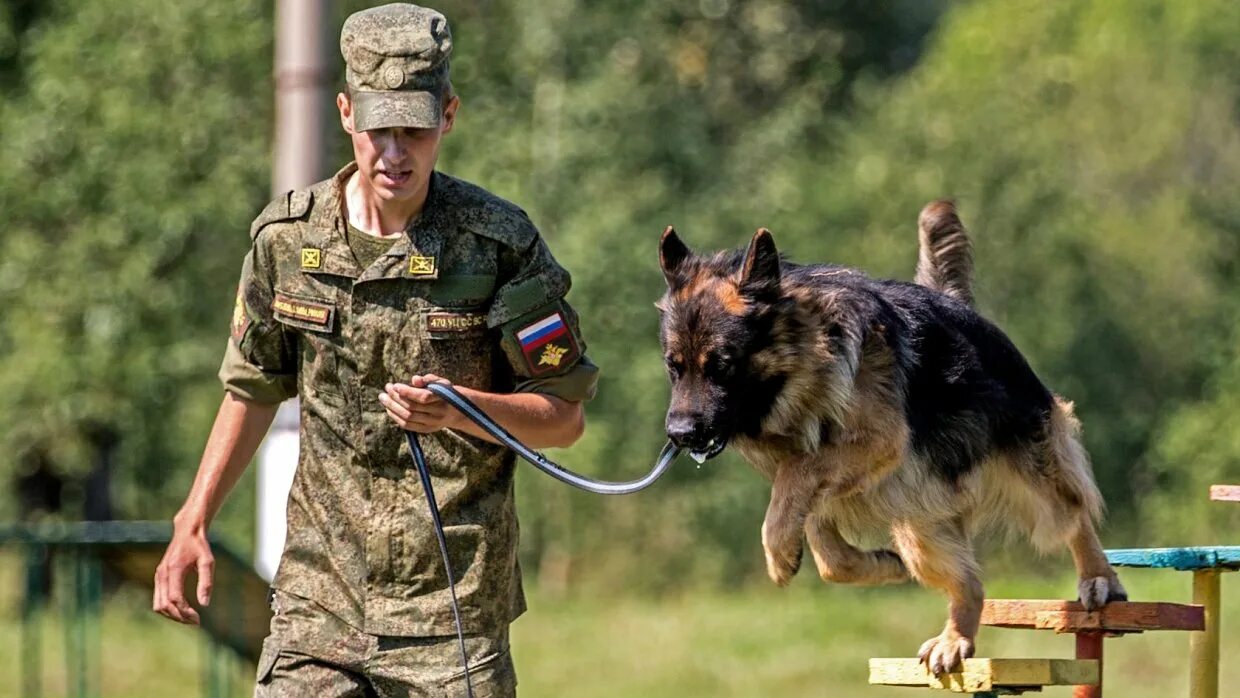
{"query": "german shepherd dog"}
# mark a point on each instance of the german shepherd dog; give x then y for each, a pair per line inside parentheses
(877, 408)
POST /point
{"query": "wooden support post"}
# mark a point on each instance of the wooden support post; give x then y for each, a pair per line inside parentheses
(1089, 646)
(1203, 669)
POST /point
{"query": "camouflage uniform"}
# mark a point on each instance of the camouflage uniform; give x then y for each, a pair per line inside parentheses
(470, 293)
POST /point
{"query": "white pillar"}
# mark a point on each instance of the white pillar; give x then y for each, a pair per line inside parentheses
(277, 463)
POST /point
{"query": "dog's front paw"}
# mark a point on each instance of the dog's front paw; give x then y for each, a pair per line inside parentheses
(781, 568)
(1096, 592)
(946, 652)
(783, 558)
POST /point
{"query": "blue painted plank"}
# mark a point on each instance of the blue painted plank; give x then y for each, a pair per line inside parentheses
(1205, 558)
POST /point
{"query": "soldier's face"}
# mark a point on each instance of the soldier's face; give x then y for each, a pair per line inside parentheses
(396, 163)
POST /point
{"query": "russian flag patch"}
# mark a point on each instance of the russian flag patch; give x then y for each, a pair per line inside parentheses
(547, 344)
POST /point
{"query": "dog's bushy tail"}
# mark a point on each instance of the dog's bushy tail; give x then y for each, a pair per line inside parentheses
(945, 260)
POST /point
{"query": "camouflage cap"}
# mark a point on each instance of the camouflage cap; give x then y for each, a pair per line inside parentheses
(396, 65)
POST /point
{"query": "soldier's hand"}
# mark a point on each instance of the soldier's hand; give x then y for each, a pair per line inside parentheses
(415, 408)
(186, 551)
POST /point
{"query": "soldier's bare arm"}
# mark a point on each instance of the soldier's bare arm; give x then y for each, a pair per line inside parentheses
(239, 428)
(536, 419)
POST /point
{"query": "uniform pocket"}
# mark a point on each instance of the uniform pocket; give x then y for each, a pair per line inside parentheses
(317, 319)
(492, 676)
(267, 660)
(457, 344)
(462, 290)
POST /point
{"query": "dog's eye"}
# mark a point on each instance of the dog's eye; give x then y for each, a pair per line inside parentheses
(674, 369)
(720, 365)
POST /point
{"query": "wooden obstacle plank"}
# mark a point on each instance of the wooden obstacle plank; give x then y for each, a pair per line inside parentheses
(1225, 493)
(1071, 616)
(986, 674)
(1184, 559)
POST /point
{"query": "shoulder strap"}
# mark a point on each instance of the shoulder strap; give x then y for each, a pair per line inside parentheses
(290, 205)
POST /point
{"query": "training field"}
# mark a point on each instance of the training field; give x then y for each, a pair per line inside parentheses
(809, 640)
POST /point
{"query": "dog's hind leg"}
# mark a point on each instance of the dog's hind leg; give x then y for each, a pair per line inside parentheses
(1098, 583)
(1078, 504)
(838, 561)
(939, 555)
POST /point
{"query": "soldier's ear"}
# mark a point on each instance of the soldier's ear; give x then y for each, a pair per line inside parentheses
(760, 271)
(449, 114)
(345, 106)
(672, 254)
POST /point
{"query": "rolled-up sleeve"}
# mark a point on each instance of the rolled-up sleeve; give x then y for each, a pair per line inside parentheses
(539, 331)
(578, 385)
(260, 360)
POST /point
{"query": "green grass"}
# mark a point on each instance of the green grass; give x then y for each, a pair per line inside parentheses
(809, 640)
(814, 640)
(140, 654)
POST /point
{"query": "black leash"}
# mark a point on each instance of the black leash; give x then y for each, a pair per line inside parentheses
(538, 460)
(419, 459)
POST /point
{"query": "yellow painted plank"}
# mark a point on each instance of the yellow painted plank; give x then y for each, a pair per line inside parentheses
(1203, 646)
(986, 674)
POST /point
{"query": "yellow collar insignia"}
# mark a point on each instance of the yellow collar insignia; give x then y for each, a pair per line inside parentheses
(311, 258)
(421, 266)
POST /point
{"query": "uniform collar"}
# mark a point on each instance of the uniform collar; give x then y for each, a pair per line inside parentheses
(416, 255)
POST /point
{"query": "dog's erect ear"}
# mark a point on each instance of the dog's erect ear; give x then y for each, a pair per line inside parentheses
(672, 253)
(760, 270)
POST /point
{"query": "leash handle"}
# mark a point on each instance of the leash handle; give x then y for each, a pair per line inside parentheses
(419, 460)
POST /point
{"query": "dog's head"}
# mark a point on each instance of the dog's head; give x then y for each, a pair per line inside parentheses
(717, 316)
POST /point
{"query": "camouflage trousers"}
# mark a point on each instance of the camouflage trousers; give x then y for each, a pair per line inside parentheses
(311, 652)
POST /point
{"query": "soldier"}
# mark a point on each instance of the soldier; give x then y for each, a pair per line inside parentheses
(389, 270)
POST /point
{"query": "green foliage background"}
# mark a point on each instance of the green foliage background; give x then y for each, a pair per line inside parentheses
(1093, 148)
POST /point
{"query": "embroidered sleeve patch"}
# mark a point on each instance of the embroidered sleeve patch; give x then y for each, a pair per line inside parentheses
(547, 344)
(241, 319)
(303, 311)
(454, 322)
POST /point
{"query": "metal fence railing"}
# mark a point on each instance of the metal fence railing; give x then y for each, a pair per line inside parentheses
(80, 553)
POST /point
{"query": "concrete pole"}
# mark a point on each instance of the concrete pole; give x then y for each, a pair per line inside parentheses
(303, 97)
(303, 105)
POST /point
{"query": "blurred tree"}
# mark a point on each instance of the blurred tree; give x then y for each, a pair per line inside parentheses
(1199, 446)
(135, 145)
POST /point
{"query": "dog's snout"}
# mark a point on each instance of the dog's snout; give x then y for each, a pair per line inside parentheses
(684, 429)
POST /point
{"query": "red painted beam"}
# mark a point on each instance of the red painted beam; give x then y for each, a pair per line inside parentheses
(1071, 616)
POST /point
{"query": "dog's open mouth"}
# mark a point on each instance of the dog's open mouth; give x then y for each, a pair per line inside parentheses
(713, 448)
